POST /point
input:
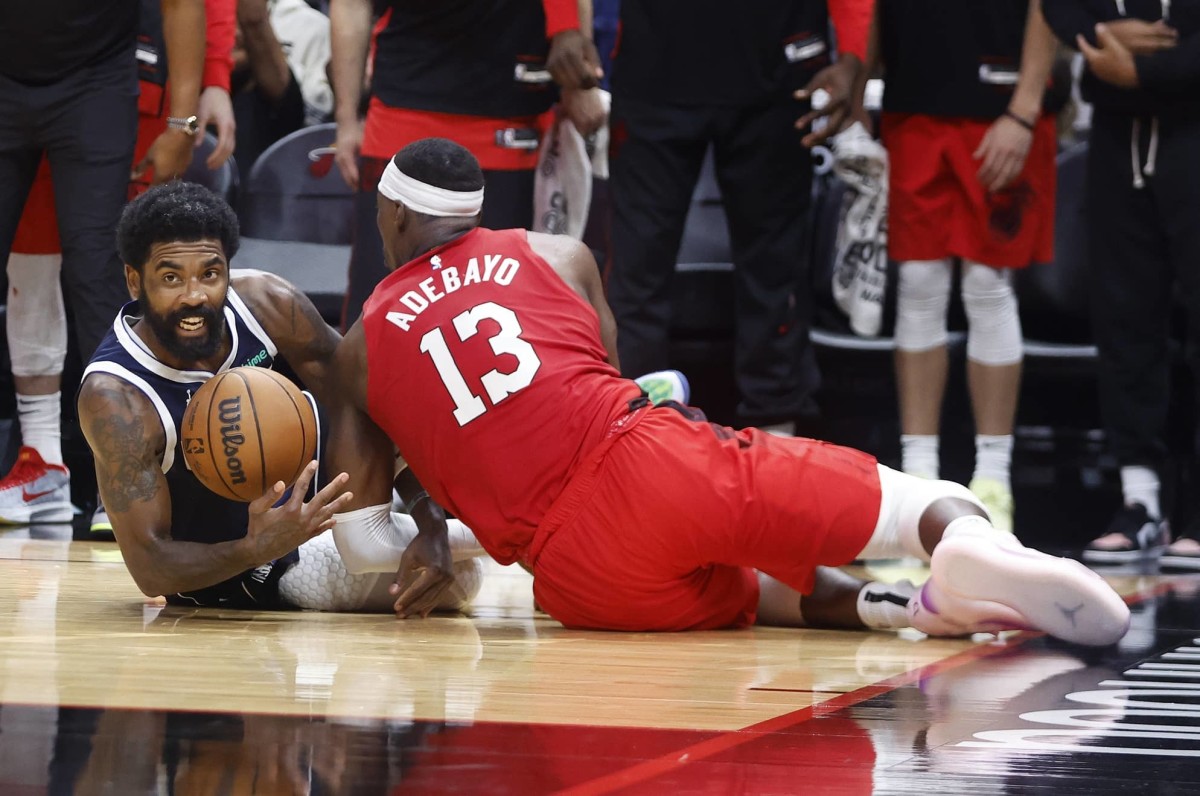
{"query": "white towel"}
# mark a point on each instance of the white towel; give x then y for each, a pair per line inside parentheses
(860, 267)
(567, 163)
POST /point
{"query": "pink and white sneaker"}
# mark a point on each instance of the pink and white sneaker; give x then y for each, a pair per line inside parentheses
(979, 584)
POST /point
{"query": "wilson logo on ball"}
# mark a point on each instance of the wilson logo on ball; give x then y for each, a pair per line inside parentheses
(230, 414)
(247, 429)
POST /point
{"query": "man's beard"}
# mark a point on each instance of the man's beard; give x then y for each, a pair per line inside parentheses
(186, 349)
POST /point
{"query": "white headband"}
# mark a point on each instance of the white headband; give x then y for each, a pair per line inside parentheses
(428, 199)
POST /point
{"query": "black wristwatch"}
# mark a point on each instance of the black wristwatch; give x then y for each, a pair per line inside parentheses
(189, 125)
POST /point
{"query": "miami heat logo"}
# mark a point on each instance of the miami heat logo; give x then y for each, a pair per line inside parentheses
(1006, 210)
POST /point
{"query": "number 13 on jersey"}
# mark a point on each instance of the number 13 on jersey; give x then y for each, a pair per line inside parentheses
(497, 385)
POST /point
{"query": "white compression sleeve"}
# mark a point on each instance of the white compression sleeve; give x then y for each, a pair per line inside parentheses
(373, 539)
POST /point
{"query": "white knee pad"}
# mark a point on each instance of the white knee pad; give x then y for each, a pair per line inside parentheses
(905, 498)
(36, 320)
(994, 323)
(922, 301)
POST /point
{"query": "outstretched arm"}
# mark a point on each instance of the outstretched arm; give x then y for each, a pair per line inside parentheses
(127, 440)
(365, 532)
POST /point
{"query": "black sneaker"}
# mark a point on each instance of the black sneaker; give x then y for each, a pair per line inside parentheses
(1145, 537)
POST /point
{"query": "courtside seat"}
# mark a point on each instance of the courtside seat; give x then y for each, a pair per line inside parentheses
(297, 217)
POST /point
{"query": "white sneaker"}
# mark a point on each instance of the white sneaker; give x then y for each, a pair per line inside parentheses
(34, 491)
(980, 585)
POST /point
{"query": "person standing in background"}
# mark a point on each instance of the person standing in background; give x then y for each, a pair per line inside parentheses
(1143, 172)
(688, 75)
(972, 178)
(70, 102)
(480, 72)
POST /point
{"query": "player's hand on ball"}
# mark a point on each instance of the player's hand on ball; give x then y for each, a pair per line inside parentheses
(426, 571)
(276, 531)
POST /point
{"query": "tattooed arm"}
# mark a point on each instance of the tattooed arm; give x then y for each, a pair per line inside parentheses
(127, 440)
(295, 326)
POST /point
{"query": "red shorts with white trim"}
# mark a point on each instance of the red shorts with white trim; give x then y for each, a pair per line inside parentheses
(938, 208)
(498, 144)
(663, 526)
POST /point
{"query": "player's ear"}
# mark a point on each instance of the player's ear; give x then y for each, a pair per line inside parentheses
(133, 281)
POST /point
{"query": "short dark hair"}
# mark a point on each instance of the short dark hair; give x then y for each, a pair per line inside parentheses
(175, 211)
(442, 163)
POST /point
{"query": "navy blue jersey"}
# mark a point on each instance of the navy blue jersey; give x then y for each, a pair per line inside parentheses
(197, 514)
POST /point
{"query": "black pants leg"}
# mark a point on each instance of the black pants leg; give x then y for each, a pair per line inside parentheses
(20, 153)
(90, 130)
(1176, 186)
(655, 160)
(765, 175)
(1131, 285)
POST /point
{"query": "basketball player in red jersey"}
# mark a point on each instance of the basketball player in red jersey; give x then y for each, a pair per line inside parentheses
(487, 358)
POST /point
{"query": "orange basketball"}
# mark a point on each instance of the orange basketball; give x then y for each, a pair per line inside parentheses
(245, 429)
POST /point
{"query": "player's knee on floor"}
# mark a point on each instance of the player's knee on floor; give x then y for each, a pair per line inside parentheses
(904, 500)
(994, 322)
(922, 302)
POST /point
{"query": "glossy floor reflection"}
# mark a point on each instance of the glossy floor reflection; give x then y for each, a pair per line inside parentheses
(102, 691)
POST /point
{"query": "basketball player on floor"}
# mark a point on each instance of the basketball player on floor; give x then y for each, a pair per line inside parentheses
(193, 317)
(487, 358)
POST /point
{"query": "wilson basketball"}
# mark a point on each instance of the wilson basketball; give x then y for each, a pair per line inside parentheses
(245, 429)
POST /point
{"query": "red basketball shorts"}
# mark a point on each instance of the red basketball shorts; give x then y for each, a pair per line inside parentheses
(663, 525)
(938, 208)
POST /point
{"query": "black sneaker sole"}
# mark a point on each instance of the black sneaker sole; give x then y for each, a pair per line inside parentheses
(1177, 563)
(1121, 556)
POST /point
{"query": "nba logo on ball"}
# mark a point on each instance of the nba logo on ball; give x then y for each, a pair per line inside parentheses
(246, 429)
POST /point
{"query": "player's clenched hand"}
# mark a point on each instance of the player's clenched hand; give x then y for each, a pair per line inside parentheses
(573, 61)
(837, 81)
(426, 571)
(1002, 153)
(275, 531)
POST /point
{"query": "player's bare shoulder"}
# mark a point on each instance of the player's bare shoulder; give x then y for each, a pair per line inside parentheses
(570, 259)
(259, 289)
(284, 312)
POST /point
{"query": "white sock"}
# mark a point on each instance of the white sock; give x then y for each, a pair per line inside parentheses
(41, 424)
(993, 457)
(884, 606)
(1141, 485)
(919, 455)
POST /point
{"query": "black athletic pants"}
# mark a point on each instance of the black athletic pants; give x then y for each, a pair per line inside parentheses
(765, 177)
(1144, 253)
(86, 124)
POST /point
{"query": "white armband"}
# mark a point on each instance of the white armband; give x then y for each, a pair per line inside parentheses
(373, 539)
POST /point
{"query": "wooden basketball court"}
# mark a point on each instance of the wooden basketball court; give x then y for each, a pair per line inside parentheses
(104, 691)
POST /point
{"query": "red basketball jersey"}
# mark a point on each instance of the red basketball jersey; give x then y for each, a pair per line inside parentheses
(489, 374)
